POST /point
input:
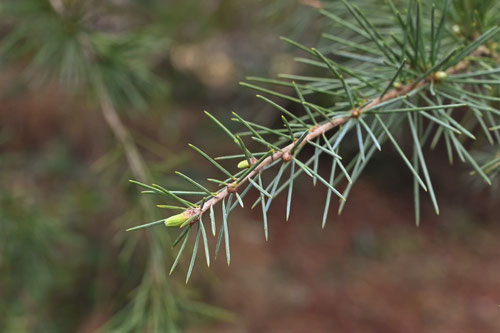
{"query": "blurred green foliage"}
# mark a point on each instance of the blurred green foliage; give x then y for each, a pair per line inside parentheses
(44, 253)
(88, 46)
(63, 266)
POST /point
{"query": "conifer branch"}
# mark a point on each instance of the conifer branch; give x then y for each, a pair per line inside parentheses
(420, 88)
(319, 130)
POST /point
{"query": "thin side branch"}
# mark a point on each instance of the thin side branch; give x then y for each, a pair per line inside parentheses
(320, 129)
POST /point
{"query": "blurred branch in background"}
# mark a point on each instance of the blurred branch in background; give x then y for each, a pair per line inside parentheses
(61, 62)
(134, 158)
(102, 54)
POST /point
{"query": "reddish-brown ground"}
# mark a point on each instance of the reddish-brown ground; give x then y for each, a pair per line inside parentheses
(369, 270)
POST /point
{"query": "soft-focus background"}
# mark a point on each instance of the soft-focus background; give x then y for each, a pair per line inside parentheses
(66, 262)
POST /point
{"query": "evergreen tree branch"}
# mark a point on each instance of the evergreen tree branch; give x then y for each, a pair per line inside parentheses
(285, 153)
(410, 86)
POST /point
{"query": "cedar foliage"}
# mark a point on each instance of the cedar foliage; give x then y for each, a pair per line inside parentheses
(430, 74)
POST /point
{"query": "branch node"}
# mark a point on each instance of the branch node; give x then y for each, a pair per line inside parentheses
(286, 157)
(355, 113)
(232, 188)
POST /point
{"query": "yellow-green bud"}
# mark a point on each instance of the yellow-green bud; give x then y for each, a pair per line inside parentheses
(456, 30)
(177, 220)
(397, 85)
(439, 76)
(243, 164)
(493, 46)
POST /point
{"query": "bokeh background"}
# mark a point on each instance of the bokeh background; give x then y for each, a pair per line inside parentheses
(66, 262)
